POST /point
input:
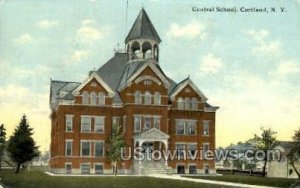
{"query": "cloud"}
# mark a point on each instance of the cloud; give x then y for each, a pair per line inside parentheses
(210, 64)
(86, 22)
(45, 24)
(193, 29)
(89, 34)
(24, 39)
(287, 67)
(263, 46)
(78, 55)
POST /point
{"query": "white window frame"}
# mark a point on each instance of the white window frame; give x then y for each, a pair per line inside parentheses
(140, 124)
(181, 149)
(103, 148)
(206, 123)
(101, 164)
(94, 98)
(158, 122)
(70, 118)
(194, 103)
(187, 103)
(89, 164)
(185, 125)
(157, 98)
(192, 164)
(180, 104)
(102, 119)
(66, 148)
(85, 98)
(191, 144)
(138, 97)
(147, 98)
(81, 124)
(149, 119)
(66, 164)
(90, 152)
(101, 99)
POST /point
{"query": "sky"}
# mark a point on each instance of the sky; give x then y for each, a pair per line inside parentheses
(248, 64)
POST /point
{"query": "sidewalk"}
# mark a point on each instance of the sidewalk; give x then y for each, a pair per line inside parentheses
(177, 177)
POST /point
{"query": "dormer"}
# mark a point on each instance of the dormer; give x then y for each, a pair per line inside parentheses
(142, 41)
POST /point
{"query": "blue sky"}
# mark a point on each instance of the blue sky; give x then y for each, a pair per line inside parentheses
(246, 63)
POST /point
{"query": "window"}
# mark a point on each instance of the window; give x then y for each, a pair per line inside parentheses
(101, 97)
(147, 97)
(190, 127)
(99, 149)
(85, 97)
(68, 167)
(85, 168)
(205, 127)
(192, 169)
(69, 145)
(186, 127)
(137, 124)
(116, 120)
(180, 151)
(85, 124)
(187, 103)
(93, 99)
(99, 124)
(157, 98)
(192, 149)
(194, 103)
(156, 122)
(85, 148)
(180, 103)
(98, 168)
(69, 123)
(147, 123)
(138, 97)
(205, 148)
(180, 127)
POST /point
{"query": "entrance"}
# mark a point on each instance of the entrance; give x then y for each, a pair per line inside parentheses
(180, 169)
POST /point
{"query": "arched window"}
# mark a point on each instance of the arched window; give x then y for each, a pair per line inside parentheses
(155, 52)
(187, 104)
(147, 50)
(180, 103)
(101, 99)
(93, 98)
(135, 50)
(194, 103)
(147, 97)
(85, 97)
(157, 98)
(137, 97)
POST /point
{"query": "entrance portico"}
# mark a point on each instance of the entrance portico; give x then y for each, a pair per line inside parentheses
(152, 135)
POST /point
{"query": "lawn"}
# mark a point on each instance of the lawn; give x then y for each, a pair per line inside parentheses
(30, 179)
(276, 182)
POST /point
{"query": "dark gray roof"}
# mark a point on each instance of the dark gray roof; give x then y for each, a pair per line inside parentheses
(111, 72)
(62, 90)
(286, 145)
(142, 28)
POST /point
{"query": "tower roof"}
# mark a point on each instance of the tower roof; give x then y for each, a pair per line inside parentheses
(142, 28)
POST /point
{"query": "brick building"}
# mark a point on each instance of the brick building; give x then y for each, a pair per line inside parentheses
(132, 91)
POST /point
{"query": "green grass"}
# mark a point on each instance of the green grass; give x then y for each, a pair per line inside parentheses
(30, 179)
(276, 182)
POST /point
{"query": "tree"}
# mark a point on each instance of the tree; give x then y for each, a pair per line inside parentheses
(294, 154)
(21, 146)
(266, 141)
(116, 143)
(2, 143)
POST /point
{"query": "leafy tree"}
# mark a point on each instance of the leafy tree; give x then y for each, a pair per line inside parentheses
(294, 154)
(116, 143)
(266, 141)
(21, 146)
(226, 163)
(2, 142)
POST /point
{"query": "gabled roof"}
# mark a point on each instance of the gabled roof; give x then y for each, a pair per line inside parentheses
(134, 69)
(181, 85)
(142, 28)
(94, 75)
(152, 133)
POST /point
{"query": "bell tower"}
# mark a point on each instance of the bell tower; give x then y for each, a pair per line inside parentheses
(142, 41)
